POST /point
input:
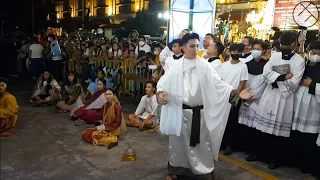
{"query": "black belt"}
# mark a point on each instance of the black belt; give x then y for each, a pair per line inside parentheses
(195, 127)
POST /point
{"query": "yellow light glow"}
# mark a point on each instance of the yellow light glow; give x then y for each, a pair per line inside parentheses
(109, 10)
(137, 7)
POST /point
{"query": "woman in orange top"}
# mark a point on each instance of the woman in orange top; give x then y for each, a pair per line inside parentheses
(8, 109)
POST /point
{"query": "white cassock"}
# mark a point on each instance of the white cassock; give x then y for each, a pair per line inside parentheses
(165, 53)
(168, 63)
(148, 106)
(275, 111)
(194, 83)
(248, 57)
(216, 64)
(307, 110)
(247, 111)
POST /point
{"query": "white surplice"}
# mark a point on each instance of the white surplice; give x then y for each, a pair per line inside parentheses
(194, 83)
(275, 111)
(247, 111)
(167, 64)
(165, 53)
(148, 106)
(306, 111)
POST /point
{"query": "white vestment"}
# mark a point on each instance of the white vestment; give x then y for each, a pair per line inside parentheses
(194, 83)
(275, 111)
(247, 111)
(216, 64)
(165, 53)
(168, 63)
(306, 111)
(148, 106)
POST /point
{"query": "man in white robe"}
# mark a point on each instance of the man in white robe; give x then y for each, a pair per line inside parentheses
(248, 43)
(194, 113)
(306, 120)
(283, 73)
(166, 52)
(214, 51)
(146, 115)
(175, 46)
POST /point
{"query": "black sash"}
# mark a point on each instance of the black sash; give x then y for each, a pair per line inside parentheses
(195, 127)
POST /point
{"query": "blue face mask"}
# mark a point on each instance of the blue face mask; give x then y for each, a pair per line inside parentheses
(256, 53)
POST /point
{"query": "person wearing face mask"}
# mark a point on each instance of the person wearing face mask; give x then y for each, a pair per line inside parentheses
(154, 61)
(166, 52)
(246, 56)
(306, 120)
(234, 73)
(283, 73)
(143, 48)
(248, 109)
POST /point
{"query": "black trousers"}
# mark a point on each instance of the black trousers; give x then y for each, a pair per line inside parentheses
(230, 137)
(58, 70)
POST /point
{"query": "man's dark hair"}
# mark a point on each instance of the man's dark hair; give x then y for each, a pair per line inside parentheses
(52, 36)
(4, 80)
(236, 47)
(288, 38)
(186, 30)
(276, 44)
(220, 48)
(156, 45)
(109, 75)
(34, 40)
(188, 37)
(154, 84)
(142, 37)
(211, 35)
(251, 40)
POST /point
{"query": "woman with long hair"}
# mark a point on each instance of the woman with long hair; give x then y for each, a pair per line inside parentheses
(47, 90)
(70, 93)
(112, 124)
(8, 109)
(89, 113)
(115, 51)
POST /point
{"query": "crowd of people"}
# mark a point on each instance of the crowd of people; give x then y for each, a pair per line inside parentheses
(276, 121)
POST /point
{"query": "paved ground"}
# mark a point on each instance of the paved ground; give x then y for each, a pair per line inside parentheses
(47, 145)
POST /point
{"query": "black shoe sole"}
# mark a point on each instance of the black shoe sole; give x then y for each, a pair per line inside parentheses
(112, 145)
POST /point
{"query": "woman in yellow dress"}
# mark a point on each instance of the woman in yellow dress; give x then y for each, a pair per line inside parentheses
(8, 109)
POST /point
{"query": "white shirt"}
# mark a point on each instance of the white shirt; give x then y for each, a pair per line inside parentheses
(216, 64)
(146, 48)
(36, 50)
(116, 53)
(232, 74)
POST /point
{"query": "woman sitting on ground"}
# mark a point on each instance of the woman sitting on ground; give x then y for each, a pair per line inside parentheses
(8, 109)
(92, 88)
(47, 90)
(89, 113)
(112, 125)
(70, 93)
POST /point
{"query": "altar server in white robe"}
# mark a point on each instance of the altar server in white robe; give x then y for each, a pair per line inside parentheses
(175, 46)
(194, 113)
(283, 73)
(306, 120)
(248, 43)
(166, 52)
(257, 85)
(214, 51)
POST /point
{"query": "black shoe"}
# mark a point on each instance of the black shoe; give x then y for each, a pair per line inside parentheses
(273, 164)
(73, 118)
(97, 124)
(251, 158)
(112, 145)
(228, 151)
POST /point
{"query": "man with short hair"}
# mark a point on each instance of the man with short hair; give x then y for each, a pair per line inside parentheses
(206, 43)
(146, 112)
(195, 107)
(175, 46)
(215, 49)
(247, 41)
(166, 52)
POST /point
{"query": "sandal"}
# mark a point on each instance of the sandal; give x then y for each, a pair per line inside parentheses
(172, 177)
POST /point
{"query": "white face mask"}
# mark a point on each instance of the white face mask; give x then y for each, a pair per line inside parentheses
(315, 58)
(141, 43)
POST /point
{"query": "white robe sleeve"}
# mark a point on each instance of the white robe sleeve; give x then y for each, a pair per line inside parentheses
(141, 107)
(289, 86)
(163, 55)
(270, 75)
(318, 93)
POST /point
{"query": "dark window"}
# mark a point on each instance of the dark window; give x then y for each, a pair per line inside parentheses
(155, 6)
(79, 7)
(125, 9)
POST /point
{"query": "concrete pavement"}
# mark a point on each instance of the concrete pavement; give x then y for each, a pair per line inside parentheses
(47, 145)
